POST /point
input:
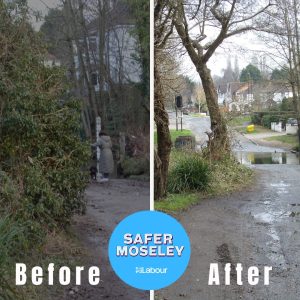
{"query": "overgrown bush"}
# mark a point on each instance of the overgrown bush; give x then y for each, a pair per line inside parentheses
(229, 174)
(190, 172)
(42, 156)
(41, 152)
(268, 119)
(10, 236)
(135, 166)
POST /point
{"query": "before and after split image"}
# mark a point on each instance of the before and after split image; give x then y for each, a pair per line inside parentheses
(149, 149)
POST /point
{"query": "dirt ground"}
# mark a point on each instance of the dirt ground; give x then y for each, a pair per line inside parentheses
(256, 227)
(107, 204)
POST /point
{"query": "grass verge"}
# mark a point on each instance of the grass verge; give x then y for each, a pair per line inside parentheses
(226, 176)
(174, 134)
(291, 140)
(61, 248)
(257, 129)
(197, 115)
(239, 120)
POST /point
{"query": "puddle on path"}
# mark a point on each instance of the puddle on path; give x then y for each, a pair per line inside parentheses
(270, 217)
(267, 158)
(275, 252)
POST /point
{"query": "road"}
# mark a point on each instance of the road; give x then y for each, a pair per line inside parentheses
(107, 204)
(197, 125)
(258, 226)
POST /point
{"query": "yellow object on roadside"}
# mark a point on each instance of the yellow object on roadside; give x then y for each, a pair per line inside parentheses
(250, 128)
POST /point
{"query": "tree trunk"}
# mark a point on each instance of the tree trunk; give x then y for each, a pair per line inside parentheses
(293, 57)
(164, 143)
(218, 143)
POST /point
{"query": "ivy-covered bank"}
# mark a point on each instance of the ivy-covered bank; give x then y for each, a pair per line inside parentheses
(42, 154)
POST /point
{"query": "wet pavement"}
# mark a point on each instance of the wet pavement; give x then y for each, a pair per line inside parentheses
(258, 226)
(107, 204)
(263, 158)
(198, 125)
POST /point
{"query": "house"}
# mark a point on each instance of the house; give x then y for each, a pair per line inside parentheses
(270, 93)
(119, 49)
(244, 96)
(236, 96)
(51, 61)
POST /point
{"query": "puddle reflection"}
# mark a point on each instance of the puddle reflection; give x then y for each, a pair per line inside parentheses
(259, 158)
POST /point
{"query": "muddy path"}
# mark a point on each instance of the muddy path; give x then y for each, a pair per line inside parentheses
(256, 227)
(107, 204)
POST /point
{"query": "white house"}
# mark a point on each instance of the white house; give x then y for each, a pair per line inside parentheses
(238, 96)
(119, 51)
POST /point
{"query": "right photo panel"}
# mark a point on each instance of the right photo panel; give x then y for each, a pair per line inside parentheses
(226, 144)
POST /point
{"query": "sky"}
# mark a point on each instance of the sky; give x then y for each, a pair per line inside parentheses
(244, 46)
(42, 6)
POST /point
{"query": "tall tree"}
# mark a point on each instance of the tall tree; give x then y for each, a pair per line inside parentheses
(141, 12)
(228, 18)
(282, 36)
(280, 74)
(163, 30)
(105, 47)
(228, 75)
(250, 73)
(236, 69)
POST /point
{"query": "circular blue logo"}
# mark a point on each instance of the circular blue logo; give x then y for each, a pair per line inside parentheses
(149, 250)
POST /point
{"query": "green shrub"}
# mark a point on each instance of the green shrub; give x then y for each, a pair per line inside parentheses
(256, 119)
(42, 155)
(10, 237)
(189, 173)
(268, 119)
(135, 166)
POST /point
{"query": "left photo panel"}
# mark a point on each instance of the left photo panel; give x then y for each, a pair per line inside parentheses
(74, 143)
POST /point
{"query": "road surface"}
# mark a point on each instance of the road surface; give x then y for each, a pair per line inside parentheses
(197, 125)
(259, 226)
(201, 125)
(256, 227)
(107, 204)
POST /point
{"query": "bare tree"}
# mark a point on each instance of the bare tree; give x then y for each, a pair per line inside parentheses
(282, 37)
(202, 27)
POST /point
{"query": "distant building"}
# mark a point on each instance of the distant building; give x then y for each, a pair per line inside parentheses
(236, 96)
(272, 90)
(120, 47)
(244, 97)
(51, 61)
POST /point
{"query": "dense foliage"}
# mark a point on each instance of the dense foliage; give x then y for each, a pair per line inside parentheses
(266, 118)
(250, 73)
(141, 12)
(280, 74)
(42, 156)
(190, 173)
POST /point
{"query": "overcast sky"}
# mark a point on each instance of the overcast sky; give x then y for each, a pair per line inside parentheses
(42, 6)
(245, 46)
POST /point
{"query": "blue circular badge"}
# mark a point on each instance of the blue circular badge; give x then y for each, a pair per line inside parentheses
(149, 250)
